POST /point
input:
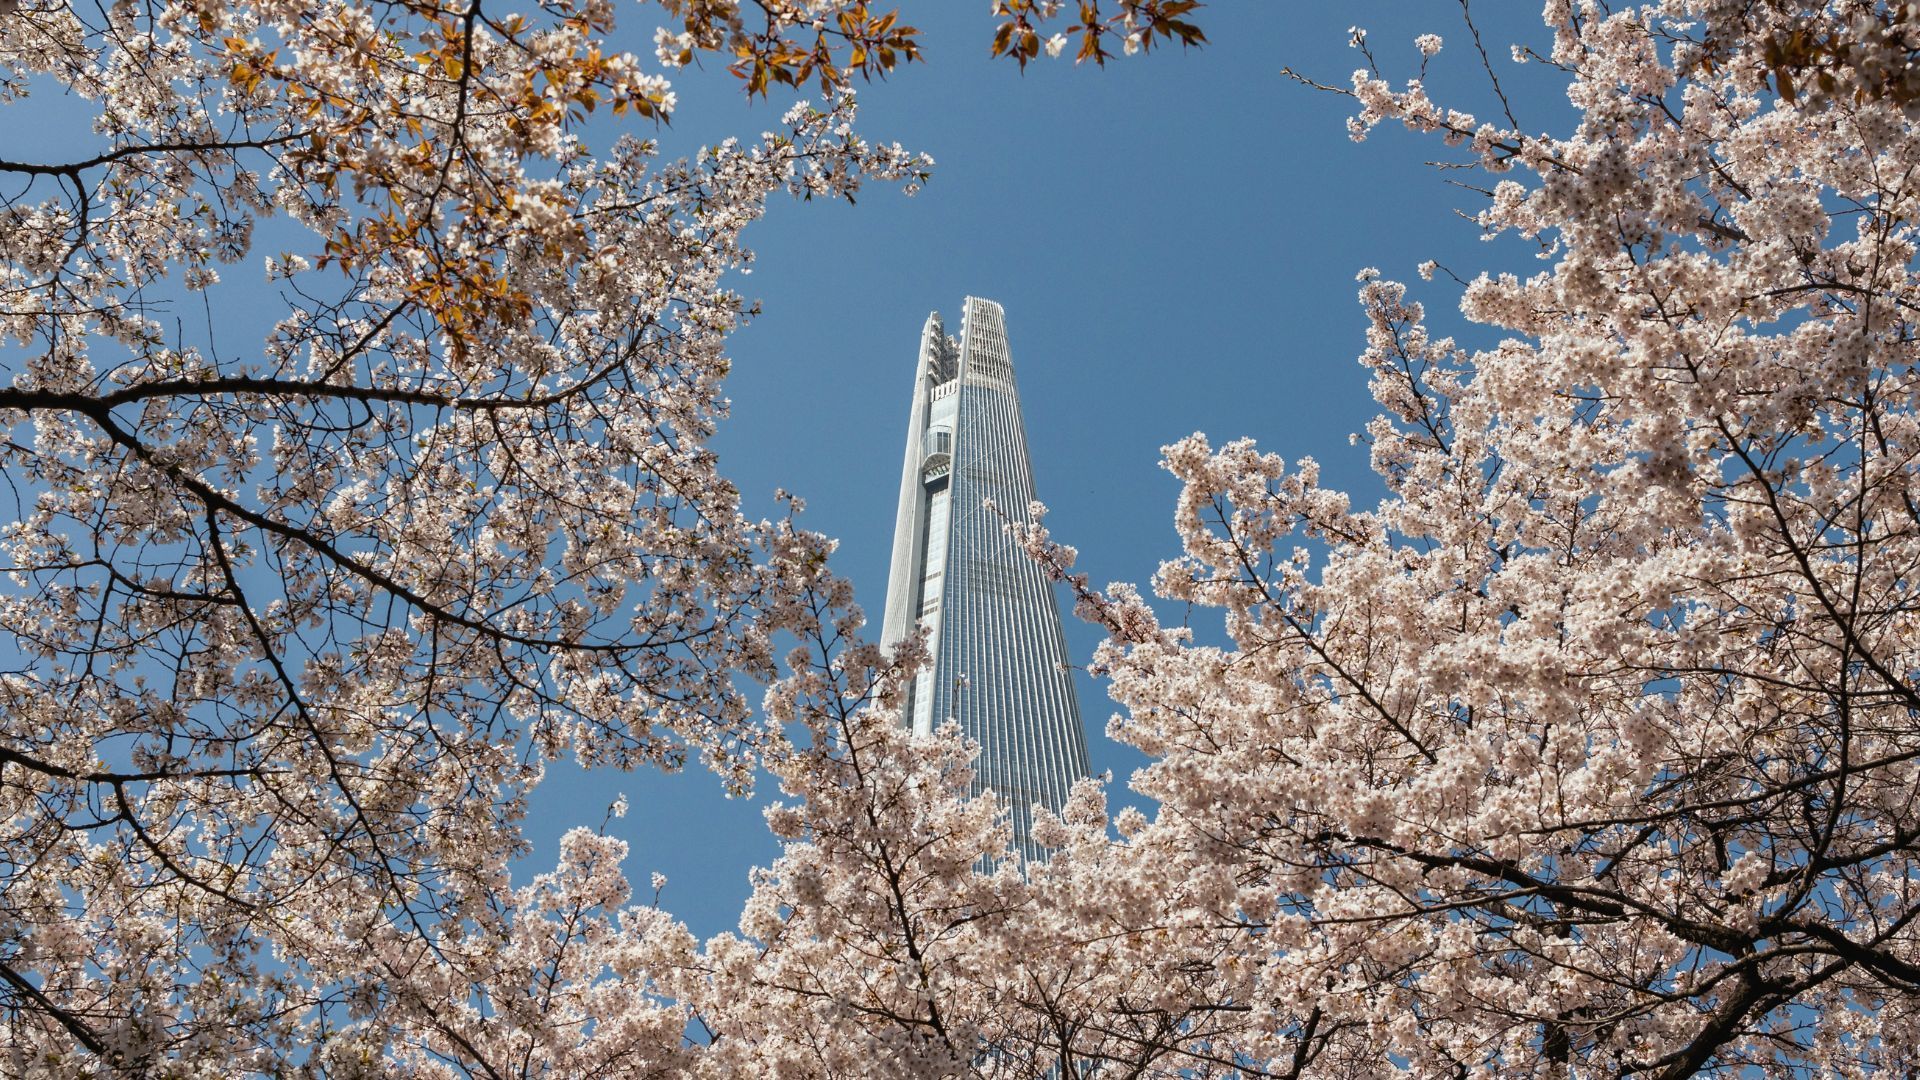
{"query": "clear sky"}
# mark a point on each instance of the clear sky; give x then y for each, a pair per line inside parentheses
(1175, 240)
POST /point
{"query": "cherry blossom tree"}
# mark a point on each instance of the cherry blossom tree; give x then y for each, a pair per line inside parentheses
(1593, 746)
(300, 598)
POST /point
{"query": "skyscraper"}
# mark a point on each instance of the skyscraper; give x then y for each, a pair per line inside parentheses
(999, 650)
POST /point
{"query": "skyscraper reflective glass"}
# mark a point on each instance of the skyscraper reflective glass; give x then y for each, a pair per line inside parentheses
(999, 650)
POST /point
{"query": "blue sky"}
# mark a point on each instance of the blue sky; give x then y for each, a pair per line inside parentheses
(1175, 240)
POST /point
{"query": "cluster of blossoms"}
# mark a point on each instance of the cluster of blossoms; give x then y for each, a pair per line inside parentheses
(1137, 26)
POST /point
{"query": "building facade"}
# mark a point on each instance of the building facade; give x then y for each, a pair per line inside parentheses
(999, 650)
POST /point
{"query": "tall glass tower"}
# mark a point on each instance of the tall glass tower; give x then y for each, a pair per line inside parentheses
(999, 651)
